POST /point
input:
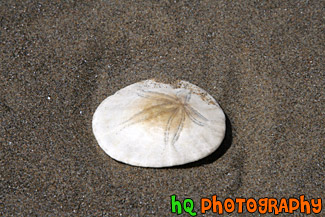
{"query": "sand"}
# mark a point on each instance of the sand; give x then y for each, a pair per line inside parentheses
(263, 62)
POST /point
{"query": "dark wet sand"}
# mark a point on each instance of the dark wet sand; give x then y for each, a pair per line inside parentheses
(263, 62)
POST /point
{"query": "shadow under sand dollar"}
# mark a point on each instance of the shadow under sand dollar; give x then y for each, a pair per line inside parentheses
(225, 145)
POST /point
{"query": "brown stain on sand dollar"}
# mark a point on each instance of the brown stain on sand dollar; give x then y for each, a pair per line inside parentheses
(171, 112)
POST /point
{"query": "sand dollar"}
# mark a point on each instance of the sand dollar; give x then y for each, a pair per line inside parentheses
(152, 124)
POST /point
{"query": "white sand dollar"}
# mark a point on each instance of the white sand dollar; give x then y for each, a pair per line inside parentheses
(153, 124)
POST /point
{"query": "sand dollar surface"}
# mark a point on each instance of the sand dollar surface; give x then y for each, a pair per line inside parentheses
(152, 124)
